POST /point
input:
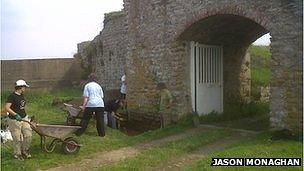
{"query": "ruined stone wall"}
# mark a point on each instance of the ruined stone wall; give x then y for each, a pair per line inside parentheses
(152, 38)
(159, 32)
(105, 54)
(153, 57)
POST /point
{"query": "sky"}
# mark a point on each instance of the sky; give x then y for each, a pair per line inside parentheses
(52, 28)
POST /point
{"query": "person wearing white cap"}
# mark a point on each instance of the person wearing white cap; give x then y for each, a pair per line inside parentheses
(21, 131)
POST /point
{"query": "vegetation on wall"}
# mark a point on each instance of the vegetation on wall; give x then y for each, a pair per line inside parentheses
(114, 14)
(90, 52)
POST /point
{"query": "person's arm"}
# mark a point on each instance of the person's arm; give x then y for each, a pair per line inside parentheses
(85, 97)
(8, 108)
(85, 101)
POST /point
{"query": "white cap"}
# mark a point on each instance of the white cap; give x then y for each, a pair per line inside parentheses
(21, 83)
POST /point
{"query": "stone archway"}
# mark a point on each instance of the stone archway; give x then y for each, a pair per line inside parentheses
(234, 33)
(159, 32)
(235, 29)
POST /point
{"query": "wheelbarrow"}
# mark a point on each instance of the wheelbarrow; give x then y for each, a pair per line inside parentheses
(59, 133)
(73, 113)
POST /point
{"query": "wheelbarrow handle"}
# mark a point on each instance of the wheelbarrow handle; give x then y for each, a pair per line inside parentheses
(31, 124)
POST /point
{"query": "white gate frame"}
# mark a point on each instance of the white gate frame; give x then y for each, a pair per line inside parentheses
(193, 73)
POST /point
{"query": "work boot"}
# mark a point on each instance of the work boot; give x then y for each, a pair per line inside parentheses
(26, 154)
(18, 157)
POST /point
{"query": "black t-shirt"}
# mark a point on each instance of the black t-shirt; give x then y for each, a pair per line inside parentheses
(112, 105)
(18, 104)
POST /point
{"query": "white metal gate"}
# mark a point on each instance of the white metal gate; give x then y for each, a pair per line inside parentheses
(207, 78)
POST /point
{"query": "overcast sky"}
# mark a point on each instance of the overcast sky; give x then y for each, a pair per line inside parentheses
(52, 28)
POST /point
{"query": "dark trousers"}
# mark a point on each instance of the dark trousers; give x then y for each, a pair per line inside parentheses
(87, 115)
(122, 95)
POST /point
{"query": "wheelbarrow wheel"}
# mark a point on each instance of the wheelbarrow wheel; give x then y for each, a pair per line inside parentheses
(70, 146)
(70, 120)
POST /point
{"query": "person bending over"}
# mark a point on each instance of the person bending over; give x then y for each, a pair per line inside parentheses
(92, 103)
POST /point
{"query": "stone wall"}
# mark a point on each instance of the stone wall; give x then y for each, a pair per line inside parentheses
(159, 32)
(106, 53)
(43, 74)
(152, 38)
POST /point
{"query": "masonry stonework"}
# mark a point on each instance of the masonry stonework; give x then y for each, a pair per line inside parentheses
(156, 48)
(160, 30)
(106, 53)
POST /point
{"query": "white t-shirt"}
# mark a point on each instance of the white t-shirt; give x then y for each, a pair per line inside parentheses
(94, 92)
(123, 88)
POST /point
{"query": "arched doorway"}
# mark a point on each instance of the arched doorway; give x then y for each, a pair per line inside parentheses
(223, 65)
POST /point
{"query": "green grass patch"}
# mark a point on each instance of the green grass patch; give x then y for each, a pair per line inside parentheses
(260, 76)
(260, 51)
(40, 104)
(260, 69)
(252, 116)
(91, 144)
(262, 146)
(162, 154)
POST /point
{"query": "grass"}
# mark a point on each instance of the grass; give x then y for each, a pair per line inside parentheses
(261, 146)
(252, 116)
(91, 144)
(260, 51)
(260, 69)
(40, 105)
(160, 155)
(260, 76)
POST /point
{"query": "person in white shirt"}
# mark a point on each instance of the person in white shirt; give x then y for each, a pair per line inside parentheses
(123, 88)
(92, 102)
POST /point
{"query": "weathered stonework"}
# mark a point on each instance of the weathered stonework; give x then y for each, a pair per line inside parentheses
(106, 53)
(265, 94)
(157, 35)
(160, 31)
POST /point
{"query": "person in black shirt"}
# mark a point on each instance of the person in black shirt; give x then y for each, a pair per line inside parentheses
(21, 131)
(111, 108)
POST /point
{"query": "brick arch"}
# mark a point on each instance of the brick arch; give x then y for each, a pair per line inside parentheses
(257, 17)
(234, 87)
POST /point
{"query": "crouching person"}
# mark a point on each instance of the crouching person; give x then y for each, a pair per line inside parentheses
(165, 105)
(111, 108)
(21, 131)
